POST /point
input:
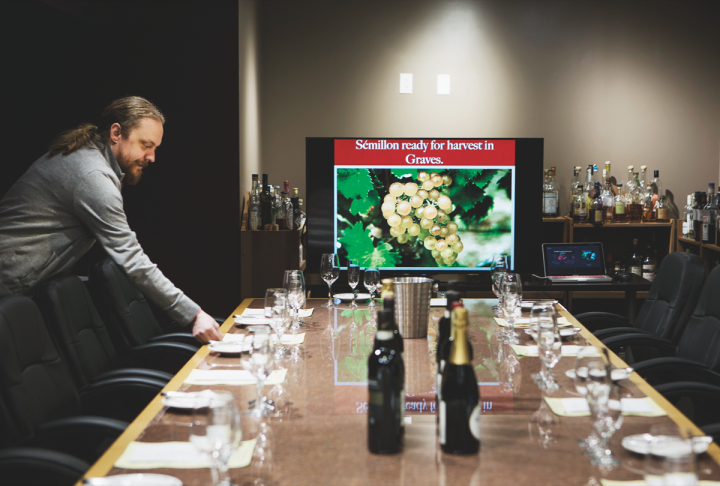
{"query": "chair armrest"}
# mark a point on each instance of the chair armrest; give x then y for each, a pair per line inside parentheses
(22, 466)
(595, 321)
(91, 436)
(658, 371)
(163, 356)
(618, 331)
(135, 373)
(664, 346)
(121, 398)
(177, 337)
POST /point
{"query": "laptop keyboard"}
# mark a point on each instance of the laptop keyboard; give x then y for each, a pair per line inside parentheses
(575, 277)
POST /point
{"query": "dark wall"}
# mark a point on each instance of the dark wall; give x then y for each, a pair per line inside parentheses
(63, 61)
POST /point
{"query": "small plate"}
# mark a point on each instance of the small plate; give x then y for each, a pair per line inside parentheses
(186, 402)
(346, 297)
(138, 479)
(640, 444)
(616, 374)
(252, 321)
(568, 331)
(236, 347)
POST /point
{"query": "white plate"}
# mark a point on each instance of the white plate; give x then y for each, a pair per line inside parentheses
(350, 296)
(139, 479)
(640, 444)
(616, 374)
(185, 402)
(236, 347)
(570, 331)
(250, 321)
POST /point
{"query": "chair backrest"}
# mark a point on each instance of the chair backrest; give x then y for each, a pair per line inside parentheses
(701, 339)
(76, 327)
(122, 306)
(35, 383)
(672, 296)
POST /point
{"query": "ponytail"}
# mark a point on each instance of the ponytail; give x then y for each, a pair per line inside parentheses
(72, 140)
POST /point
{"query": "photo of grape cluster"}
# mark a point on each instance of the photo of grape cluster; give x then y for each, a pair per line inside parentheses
(409, 207)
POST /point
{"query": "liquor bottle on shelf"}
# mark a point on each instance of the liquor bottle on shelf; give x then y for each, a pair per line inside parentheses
(700, 202)
(578, 203)
(620, 215)
(613, 181)
(443, 337)
(608, 200)
(278, 208)
(687, 218)
(643, 176)
(266, 203)
(634, 206)
(596, 207)
(711, 210)
(630, 184)
(636, 260)
(459, 409)
(254, 210)
(589, 190)
(386, 387)
(663, 212)
(649, 265)
(657, 184)
(596, 175)
(295, 203)
(550, 195)
(649, 212)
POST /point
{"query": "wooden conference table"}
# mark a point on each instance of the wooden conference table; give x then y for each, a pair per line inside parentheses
(323, 439)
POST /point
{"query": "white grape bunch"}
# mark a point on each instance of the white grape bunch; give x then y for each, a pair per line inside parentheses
(412, 208)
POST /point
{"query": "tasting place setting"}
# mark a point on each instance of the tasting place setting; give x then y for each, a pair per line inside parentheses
(299, 411)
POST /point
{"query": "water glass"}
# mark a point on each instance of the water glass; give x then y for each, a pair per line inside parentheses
(278, 311)
(329, 271)
(294, 283)
(604, 403)
(511, 297)
(671, 459)
(584, 357)
(353, 278)
(371, 281)
(260, 363)
(549, 350)
(215, 431)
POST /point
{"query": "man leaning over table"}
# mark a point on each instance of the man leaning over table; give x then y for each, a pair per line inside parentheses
(70, 197)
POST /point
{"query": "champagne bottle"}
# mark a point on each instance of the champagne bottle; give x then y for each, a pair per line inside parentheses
(459, 407)
(447, 345)
(444, 329)
(386, 384)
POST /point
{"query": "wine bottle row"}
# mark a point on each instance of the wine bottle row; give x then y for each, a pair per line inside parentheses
(457, 390)
(271, 209)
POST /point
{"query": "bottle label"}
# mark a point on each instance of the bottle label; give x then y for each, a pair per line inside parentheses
(550, 201)
(598, 216)
(443, 422)
(663, 213)
(705, 232)
(402, 408)
(636, 270)
(253, 220)
(438, 386)
(648, 272)
(685, 227)
(474, 422)
(619, 209)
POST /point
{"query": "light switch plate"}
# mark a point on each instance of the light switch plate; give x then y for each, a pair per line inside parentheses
(443, 84)
(406, 83)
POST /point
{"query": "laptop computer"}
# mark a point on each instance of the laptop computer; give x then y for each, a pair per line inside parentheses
(575, 262)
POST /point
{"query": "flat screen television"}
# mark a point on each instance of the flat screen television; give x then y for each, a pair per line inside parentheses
(426, 205)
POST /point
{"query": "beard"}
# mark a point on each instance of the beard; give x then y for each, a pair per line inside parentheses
(131, 169)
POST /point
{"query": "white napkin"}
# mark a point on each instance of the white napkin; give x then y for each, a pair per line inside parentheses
(289, 339)
(177, 455)
(566, 350)
(578, 407)
(231, 377)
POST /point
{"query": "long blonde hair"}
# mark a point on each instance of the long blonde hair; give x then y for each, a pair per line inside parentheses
(127, 111)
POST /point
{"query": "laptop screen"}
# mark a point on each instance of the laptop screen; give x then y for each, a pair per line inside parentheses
(567, 259)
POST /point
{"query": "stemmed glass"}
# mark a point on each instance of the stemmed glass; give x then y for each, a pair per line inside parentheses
(542, 316)
(295, 285)
(511, 297)
(549, 350)
(371, 281)
(353, 278)
(329, 271)
(215, 431)
(498, 271)
(260, 364)
(278, 312)
(604, 403)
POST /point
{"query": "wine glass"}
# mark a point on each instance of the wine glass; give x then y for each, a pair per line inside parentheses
(604, 402)
(277, 310)
(371, 281)
(215, 431)
(542, 315)
(260, 364)
(498, 272)
(585, 356)
(294, 283)
(549, 350)
(329, 271)
(353, 278)
(511, 296)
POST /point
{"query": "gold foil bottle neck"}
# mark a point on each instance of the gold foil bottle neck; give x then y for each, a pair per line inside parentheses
(388, 290)
(459, 351)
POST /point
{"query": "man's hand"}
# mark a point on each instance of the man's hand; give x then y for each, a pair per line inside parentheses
(205, 328)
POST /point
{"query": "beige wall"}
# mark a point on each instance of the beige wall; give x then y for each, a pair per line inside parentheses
(633, 82)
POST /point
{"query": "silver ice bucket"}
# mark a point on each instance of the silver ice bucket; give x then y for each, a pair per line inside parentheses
(412, 305)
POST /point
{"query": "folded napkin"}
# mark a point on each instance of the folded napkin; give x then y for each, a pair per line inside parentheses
(578, 407)
(177, 455)
(289, 339)
(305, 312)
(566, 350)
(525, 322)
(231, 377)
(641, 482)
(261, 313)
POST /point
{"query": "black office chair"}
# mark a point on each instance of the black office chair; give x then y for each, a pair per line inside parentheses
(82, 339)
(700, 402)
(131, 323)
(666, 310)
(696, 356)
(41, 403)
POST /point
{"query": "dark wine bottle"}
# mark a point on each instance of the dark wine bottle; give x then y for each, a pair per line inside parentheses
(389, 304)
(386, 387)
(266, 202)
(443, 337)
(459, 409)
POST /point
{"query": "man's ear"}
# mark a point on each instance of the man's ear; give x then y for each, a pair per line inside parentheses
(115, 133)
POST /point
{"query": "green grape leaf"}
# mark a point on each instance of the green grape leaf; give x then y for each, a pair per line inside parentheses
(483, 178)
(363, 205)
(357, 241)
(383, 256)
(357, 186)
(506, 183)
(403, 173)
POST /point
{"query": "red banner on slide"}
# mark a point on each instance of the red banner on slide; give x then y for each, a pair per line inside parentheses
(428, 153)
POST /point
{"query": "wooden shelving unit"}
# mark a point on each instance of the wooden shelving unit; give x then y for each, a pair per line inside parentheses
(707, 251)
